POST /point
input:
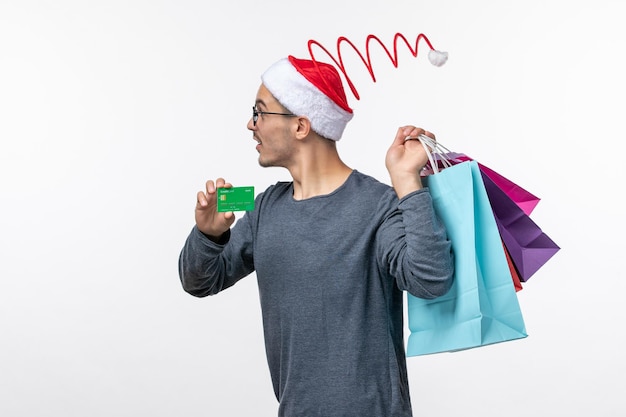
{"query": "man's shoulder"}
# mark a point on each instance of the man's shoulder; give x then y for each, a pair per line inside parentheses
(274, 191)
(367, 182)
(279, 187)
(371, 194)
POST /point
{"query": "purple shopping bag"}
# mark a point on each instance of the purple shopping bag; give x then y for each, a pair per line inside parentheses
(529, 247)
(526, 200)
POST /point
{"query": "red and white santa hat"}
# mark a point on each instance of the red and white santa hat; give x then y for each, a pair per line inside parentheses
(311, 89)
(314, 89)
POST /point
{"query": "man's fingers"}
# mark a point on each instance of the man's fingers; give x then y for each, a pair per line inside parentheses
(415, 135)
(429, 134)
(411, 133)
(210, 187)
(202, 200)
(403, 133)
(414, 132)
(221, 183)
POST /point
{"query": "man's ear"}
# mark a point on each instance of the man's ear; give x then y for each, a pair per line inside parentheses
(303, 127)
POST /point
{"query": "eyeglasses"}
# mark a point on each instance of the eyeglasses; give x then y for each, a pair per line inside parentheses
(255, 114)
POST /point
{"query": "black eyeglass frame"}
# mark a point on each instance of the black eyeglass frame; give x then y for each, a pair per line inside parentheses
(256, 113)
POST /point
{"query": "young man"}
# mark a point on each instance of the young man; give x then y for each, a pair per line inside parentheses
(332, 251)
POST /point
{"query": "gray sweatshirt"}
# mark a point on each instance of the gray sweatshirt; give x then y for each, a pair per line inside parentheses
(331, 270)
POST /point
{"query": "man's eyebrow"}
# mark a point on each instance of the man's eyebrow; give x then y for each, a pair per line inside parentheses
(260, 102)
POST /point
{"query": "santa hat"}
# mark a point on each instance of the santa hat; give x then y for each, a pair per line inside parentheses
(314, 89)
(311, 89)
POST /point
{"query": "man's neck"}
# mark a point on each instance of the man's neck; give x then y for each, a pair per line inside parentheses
(319, 173)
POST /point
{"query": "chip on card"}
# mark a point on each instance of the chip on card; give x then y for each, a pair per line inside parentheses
(235, 199)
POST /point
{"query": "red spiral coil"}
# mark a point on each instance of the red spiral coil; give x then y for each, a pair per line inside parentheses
(366, 59)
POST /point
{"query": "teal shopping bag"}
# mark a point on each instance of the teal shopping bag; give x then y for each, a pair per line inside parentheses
(482, 307)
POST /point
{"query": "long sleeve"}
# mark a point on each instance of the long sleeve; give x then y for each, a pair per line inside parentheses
(412, 241)
(206, 268)
(331, 270)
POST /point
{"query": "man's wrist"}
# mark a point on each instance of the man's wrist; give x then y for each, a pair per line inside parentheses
(405, 186)
(220, 240)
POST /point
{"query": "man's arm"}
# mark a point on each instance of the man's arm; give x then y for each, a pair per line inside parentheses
(413, 241)
(208, 220)
(413, 244)
(405, 159)
(214, 257)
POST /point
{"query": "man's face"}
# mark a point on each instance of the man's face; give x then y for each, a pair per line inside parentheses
(272, 131)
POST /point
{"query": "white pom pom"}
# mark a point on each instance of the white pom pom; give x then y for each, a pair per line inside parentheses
(437, 58)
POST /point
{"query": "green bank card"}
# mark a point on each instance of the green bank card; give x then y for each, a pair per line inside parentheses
(235, 199)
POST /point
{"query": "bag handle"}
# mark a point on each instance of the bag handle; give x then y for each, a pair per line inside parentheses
(435, 151)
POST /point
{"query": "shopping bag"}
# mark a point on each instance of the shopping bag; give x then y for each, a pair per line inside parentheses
(529, 247)
(522, 198)
(443, 157)
(481, 307)
(526, 200)
(514, 274)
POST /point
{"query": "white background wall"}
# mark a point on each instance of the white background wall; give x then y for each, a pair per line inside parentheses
(113, 114)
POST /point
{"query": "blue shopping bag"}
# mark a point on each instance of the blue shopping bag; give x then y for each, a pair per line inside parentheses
(482, 307)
